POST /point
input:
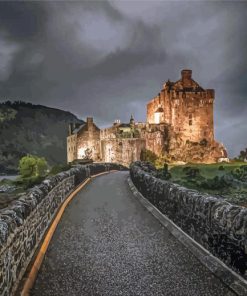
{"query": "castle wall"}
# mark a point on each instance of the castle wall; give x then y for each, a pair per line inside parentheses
(71, 148)
(157, 138)
(88, 141)
(192, 116)
(121, 150)
(189, 113)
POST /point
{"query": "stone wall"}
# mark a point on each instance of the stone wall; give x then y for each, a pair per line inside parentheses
(186, 109)
(214, 223)
(88, 139)
(24, 222)
(122, 150)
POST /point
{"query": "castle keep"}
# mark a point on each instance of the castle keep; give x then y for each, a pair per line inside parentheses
(179, 127)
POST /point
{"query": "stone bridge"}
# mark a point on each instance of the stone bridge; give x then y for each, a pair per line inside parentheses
(106, 243)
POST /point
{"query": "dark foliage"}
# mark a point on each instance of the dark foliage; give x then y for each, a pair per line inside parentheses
(215, 183)
(164, 173)
(27, 183)
(32, 129)
(191, 172)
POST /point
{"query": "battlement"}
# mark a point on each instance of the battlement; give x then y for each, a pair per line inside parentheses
(210, 93)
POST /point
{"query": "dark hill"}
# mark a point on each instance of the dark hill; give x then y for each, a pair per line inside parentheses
(32, 129)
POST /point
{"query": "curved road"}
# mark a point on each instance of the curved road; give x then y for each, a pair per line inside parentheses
(108, 244)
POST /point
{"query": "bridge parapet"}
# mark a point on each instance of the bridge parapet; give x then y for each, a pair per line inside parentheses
(24, 222)
(217, 225)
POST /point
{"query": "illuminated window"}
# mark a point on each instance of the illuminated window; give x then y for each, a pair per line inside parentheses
(158, 115)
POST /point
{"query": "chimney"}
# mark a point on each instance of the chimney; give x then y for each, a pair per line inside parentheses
(89, 120)
(186, 74)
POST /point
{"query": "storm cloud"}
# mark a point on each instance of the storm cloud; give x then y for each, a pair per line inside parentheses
(106, 59)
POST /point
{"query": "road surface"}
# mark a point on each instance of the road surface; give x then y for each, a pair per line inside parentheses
(108, 244)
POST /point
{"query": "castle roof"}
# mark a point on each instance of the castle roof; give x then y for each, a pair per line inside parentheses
(76, 131)
(191, 85)
(124, 125)
(186, 83)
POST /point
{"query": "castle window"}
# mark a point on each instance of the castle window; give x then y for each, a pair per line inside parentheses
(190, 122)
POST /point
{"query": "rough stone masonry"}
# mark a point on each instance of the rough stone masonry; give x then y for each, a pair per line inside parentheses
(214, 223)
(179, 127)
(24, 222)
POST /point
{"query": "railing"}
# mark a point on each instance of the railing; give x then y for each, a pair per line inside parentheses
(23, 223)
(217, 225)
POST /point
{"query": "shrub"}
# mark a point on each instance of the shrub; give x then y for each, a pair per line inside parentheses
(164, 173)
(191, 172)
(32, 166)
(240, 173)
(215, 183)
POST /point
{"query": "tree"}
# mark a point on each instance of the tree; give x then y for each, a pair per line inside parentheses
(32, 166)
(165, 172)
(243, 154)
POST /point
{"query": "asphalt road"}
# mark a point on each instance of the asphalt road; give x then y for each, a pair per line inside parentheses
(107, 244)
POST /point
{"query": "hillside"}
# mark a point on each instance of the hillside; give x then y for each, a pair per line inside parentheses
(35, 129)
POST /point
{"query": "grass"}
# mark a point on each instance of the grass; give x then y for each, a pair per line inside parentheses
(218, 179)
(206, 170)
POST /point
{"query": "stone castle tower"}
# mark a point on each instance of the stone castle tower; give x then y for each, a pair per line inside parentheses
(183, 114)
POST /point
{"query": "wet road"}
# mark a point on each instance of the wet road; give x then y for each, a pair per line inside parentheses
(107, 244)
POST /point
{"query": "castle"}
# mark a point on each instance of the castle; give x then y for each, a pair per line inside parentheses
(179, 128)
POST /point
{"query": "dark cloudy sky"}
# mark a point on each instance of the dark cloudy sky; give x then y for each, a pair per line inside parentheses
(108, 58)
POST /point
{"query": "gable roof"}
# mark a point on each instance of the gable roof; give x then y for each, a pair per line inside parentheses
(179, 86)
(76, 131)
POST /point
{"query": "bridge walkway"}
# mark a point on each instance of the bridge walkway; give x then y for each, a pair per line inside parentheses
(108, 244)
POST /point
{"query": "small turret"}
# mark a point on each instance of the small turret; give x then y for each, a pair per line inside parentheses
(132, 121)
(70, 129)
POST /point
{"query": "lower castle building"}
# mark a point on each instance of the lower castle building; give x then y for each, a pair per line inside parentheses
(179, 127)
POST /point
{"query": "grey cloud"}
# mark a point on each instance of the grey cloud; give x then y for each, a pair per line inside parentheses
(108, 58)
(22, 20)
